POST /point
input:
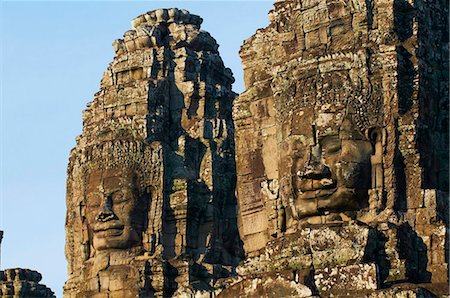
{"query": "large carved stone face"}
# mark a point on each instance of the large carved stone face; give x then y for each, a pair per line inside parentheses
(334, 174)
(116, 213)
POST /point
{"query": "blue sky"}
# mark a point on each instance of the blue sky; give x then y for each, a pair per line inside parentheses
(52, 57)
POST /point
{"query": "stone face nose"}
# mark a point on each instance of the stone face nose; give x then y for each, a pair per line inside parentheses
(106, 213)
(314, 167)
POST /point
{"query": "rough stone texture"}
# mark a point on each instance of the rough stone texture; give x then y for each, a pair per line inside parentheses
(403, 292)
(24, 283)
(341, 158)
(345, 119)
(151, 207)
(265, 286)
(318, 247)
(346, 278)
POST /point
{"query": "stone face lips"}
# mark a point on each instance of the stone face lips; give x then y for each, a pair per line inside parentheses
(150, 188)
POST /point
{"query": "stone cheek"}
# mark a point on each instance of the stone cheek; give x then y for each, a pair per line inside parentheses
(150, 189)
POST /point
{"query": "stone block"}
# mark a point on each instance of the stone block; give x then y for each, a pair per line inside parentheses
(255, 242)
(312, 39)
(121, 294)
(397, 272)
(357, 277)
(439, 273)
(258, 222)
(340, 245)
(415, 201)
(438, 257)
(424, 216)
(399, 292)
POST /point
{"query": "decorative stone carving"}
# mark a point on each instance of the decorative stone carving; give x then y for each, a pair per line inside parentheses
(334, 176)
(151, 209)
(337, 108)
(341, 158)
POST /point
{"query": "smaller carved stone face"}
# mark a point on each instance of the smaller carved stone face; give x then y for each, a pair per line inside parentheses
(334, 176)
(115, 210)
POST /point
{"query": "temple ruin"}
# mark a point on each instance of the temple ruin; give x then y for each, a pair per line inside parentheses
(327, 177)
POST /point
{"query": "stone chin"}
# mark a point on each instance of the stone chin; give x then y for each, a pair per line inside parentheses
(115, 238)
(320, 202)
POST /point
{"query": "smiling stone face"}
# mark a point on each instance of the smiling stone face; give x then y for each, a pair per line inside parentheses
(334, 173)
(116, 209)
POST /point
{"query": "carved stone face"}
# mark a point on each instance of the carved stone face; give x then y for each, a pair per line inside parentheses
(334, 174)
(115, 212)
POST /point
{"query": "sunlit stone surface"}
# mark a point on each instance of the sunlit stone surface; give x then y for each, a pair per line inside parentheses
(344, 127)
(151, 205)
(340, 167)
(18, 282)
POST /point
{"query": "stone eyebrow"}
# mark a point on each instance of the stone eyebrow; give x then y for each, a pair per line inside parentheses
(328, 135)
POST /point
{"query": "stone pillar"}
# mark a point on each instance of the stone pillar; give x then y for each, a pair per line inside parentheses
(1, 237)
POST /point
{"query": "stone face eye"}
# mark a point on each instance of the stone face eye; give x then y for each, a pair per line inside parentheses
(118, 197)
(332, 149)
(330, 145)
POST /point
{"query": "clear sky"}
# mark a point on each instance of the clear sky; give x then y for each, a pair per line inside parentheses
(52, 57)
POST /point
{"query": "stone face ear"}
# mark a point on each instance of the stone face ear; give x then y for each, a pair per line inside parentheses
(376, 136)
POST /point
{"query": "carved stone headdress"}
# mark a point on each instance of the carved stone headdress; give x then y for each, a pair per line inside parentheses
(131, 154)
(339, 81)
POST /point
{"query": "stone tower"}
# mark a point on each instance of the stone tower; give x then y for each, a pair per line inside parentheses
(18, 282)
(342, 135)
(151, 209)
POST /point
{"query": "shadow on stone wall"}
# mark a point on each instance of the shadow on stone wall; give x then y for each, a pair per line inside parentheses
(433, 84)
(199, 223)
(422, 29)
(400, 203)
(412, 248)
(412, 252)
(381, 258)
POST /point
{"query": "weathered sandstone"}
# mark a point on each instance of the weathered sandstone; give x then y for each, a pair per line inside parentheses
(344, 123)
(24, 283)
(340, 166)
(151, 207)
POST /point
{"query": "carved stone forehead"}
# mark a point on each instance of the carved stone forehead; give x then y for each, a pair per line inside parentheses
(327, 122)
(109, 178)
(121, 154)
(340, 125)
(310, 125)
